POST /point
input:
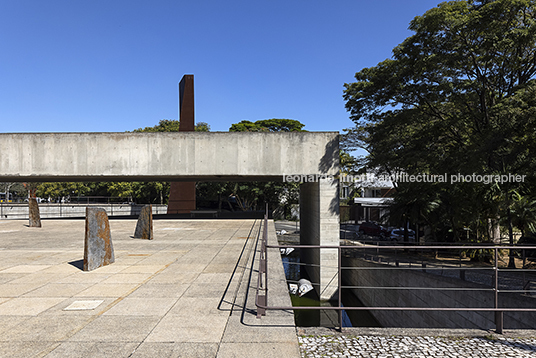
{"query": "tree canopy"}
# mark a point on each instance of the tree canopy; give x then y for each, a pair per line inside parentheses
(268, 125)
(457, 97)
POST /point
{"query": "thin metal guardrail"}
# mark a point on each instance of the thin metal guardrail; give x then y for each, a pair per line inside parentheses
(261, 300)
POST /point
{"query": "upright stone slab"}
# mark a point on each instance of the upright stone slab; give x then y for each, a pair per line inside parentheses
(144, 227)
(35, 218)
(98, 249)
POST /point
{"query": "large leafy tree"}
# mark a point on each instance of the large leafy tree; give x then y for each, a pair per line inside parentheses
(458, 96)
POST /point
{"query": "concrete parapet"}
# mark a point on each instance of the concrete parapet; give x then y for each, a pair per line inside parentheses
(144, 226)
(98, 248)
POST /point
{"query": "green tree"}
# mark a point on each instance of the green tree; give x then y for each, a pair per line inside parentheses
(456, 97)
(268, 125)
(62, 190)
(165, 125)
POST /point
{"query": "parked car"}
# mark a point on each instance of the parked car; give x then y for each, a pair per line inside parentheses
(373, 229)
(398, 235)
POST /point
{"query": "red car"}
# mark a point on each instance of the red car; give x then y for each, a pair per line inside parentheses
(373, 229)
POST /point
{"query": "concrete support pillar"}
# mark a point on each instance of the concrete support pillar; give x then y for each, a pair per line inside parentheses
(319, 225)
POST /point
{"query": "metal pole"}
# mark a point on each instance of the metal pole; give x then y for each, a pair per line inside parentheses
(265, 239)
(339, 273)
(498, 314)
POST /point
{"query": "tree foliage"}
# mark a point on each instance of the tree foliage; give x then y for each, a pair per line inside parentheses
(457, 97)
(268, 125)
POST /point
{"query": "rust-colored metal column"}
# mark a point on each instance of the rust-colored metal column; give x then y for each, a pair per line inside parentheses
(182, 194)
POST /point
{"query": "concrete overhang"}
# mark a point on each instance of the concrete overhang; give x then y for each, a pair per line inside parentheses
(166, 156)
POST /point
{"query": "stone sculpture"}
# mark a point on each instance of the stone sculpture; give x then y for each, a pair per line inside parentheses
(144, 227)
(35, 218)
(98, 248)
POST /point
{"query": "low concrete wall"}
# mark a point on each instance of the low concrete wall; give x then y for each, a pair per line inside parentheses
(383, 275)
(67, 210)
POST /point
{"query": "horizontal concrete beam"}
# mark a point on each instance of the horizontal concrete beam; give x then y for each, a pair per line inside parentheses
(166, 156)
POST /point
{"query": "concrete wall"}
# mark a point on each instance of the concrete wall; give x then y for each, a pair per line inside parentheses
(57, 210)
(319, 225)
(391, 277)
(165, 156)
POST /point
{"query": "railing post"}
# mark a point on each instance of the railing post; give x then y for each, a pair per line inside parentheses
(498, 314)
(339, 250)
(265, 240)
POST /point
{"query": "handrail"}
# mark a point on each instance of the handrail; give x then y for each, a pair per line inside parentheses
(262, 304)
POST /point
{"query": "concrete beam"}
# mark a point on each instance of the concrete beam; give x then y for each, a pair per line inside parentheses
(166, 156)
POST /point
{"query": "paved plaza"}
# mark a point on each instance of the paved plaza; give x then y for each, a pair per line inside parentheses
(187, 293)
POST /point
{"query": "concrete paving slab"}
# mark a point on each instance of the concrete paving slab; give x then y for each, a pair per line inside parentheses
(25, 268)
(93, 350)
(8, 322)
(159, 290)
(8, 277)
(58, 290)
(108, 290)
(151, 269)
(17, 289)
(20, 349)
(28, 306)
(182, 295)
(199, 306)
(45, 328)
(131, 306)
(175, 350)
(178, 328)
(116, 329)
(127, 278)
(38, 277)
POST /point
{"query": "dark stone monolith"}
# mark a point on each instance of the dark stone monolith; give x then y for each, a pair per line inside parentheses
(98, 249)
(144, 227)
(182, 194)
(35, 218)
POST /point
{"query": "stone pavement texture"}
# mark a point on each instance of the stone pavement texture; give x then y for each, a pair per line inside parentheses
(188, 293)
(422, 346)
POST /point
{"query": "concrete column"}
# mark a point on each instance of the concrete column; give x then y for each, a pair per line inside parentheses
(319, 225)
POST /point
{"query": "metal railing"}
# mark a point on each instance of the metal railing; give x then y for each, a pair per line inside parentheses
(261, 299)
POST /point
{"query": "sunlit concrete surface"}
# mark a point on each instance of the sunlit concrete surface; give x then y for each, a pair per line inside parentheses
(189, 292)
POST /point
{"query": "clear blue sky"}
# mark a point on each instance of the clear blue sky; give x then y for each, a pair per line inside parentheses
(113, 66)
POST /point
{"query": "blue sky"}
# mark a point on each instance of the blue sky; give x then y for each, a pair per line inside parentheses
(113, 66)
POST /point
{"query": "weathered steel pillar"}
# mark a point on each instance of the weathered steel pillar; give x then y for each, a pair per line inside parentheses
(182, 194)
